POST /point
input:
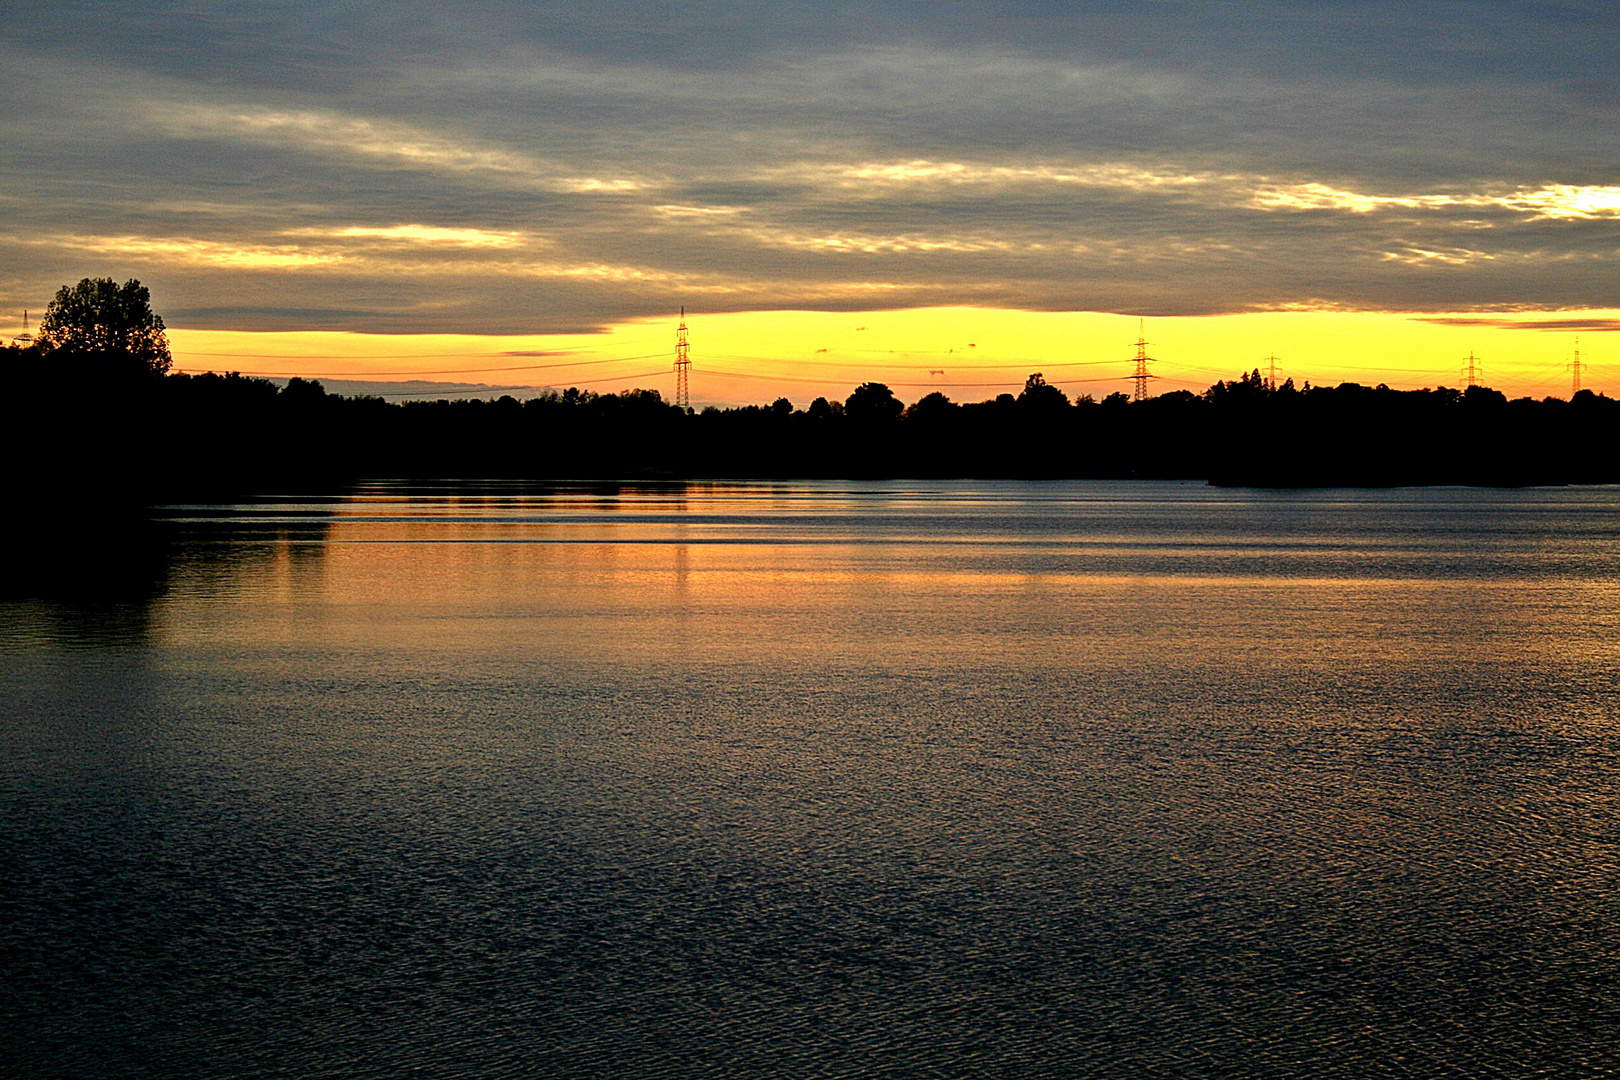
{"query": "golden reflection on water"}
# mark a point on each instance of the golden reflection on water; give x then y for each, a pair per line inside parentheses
(907, 579)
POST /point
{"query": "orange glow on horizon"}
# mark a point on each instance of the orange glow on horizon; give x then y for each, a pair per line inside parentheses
(970, 354)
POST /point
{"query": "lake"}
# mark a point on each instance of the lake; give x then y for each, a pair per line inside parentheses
(813, 780)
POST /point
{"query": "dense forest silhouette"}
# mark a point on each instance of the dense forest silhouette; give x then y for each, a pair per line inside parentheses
(98, 413)
(89, 423)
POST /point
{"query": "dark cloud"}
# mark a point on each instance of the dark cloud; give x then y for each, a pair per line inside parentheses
(506, 167)
(1595, 325)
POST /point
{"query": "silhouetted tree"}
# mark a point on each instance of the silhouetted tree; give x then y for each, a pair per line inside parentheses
(100, 318)
(303, 390)
(1041, 396)
(1481, 397)
(931, 406)
(872, 402)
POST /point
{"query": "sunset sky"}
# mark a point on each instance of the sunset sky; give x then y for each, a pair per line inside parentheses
(933, 194)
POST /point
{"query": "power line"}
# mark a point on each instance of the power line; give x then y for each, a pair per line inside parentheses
(932, 385)
(378, 356)
(447, 393)
(431, 371)
(1022, 365)
(618, 339)
(496, 389)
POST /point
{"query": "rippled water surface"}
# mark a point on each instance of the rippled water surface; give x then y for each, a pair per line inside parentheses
(816, 780)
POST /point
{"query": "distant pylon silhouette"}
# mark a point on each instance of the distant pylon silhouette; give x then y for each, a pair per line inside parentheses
(1140, 376)
(682, 364)
(1472, 372)
(1575, 370)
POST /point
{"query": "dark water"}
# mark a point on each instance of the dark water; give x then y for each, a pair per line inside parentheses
(817, 780)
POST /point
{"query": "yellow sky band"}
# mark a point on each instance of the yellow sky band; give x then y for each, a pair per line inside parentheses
(968, 353)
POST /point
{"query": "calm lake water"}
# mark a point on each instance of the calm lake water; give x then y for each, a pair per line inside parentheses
(803, 780)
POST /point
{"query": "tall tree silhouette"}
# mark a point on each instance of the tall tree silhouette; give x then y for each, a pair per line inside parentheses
(872, 402)
(1041, 396)
(100, 318)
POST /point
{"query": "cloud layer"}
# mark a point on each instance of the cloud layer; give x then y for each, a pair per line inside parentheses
(513, 168)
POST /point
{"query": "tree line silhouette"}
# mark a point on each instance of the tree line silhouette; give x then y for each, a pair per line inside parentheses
(86, 418)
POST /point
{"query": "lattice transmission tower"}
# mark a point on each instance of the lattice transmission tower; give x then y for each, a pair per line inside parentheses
(683, 364)
(1140, 376)
(1271, 372)
(25, 338)
(1472, 372)
(1575, 370)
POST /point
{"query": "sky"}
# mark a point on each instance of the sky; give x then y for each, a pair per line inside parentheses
(935, 194)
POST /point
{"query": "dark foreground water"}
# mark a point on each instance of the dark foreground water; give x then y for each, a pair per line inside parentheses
(817, 780)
